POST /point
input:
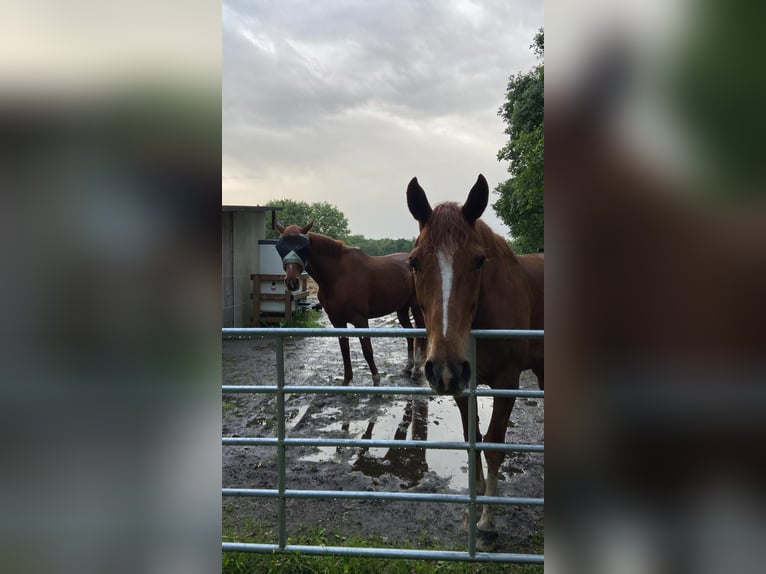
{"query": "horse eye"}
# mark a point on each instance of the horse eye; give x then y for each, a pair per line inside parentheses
(480, 261)
(414, 264)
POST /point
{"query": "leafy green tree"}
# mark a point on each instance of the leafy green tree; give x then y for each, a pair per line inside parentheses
(380, 246)
(327, 218)
(521, 201)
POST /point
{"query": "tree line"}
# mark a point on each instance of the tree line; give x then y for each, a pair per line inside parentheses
(380, 246)
(329, 220)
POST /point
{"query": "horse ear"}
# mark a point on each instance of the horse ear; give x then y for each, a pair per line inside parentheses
(477, 200)
(305, 229)
(279, 227)
(418, 202)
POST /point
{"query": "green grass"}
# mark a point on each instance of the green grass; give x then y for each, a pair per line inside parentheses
(228, 407)
(307, 318)
(304, 318)
(247, 562)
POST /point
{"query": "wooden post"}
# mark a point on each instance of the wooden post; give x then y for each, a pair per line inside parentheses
(288, 308)
(256, 319)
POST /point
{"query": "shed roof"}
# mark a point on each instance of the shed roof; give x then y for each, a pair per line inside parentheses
(251, 208)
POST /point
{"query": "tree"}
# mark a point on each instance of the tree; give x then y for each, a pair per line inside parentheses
(521, 202)
(380, 246)
(327, 218)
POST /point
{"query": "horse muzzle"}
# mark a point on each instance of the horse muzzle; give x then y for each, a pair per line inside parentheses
(293, 264)
(292, 275)
(292, 283)
(448, 377)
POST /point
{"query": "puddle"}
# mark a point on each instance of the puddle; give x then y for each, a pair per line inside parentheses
(414, 418)
(323, 454)
(297, 417)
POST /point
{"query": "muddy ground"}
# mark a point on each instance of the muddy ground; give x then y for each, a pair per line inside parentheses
(318, 362)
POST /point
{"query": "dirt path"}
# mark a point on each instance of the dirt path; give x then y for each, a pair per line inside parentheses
(318, 362)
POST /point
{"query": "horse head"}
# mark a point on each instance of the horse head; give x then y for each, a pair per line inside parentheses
(293, 248)
(447, 261)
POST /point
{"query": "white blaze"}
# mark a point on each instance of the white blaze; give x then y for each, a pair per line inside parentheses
(445, 268)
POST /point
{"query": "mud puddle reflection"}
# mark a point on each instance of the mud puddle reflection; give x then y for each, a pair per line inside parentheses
(413, 418)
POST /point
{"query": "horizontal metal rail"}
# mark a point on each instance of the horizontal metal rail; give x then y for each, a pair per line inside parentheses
(391, 496)
(398, 553)
(380, 443)
(282, 493)
(349, 390)
(283, 332)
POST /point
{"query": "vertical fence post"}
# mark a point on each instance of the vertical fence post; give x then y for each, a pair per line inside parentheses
(472, 453)
(281, 464)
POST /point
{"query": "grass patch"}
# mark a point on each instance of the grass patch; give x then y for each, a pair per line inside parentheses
(228, 407)
(247, 562)
(307, 318)
(538, 539)
(303, 318)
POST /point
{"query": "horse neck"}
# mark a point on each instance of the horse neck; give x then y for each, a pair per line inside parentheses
(323, 251)
(496, 246)
(509, 274)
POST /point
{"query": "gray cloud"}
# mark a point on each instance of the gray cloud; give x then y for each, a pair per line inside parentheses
(344, 102)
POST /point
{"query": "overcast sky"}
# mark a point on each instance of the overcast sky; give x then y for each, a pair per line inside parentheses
(346, 101)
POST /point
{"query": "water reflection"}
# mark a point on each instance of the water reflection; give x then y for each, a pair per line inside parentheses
(409, 464)
(418, 418)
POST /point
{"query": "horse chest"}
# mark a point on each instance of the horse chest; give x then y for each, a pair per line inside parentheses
(494, 358)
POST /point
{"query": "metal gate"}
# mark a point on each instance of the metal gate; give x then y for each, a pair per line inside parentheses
(281, 442)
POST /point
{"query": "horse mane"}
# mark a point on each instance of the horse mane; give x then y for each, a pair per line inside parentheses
(324, 245)
(495, 244)
(447, 226)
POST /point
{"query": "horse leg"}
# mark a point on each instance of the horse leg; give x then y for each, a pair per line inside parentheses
(538, 370)
(462, 405)
(486, 534)
(420, 343)
(404, 320)
(367, 351)
(345, 351)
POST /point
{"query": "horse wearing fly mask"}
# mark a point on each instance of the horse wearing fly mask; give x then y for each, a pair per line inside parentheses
(353, 287)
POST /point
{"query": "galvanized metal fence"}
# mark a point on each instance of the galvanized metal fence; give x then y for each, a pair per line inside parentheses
(281, 442)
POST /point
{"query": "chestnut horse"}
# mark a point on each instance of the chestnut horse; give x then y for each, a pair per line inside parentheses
(466, 277)
(353, 287)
